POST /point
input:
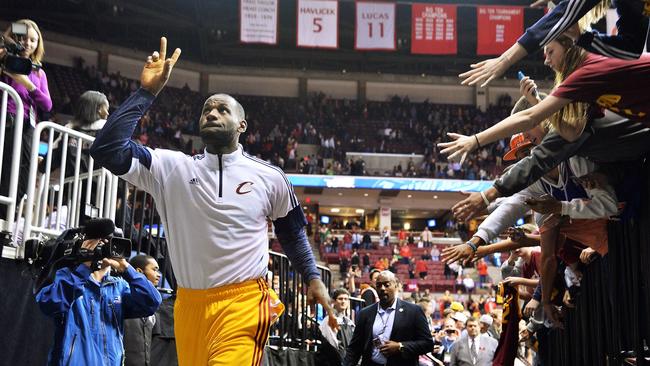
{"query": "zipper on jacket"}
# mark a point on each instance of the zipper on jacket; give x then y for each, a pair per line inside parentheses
(92, 314)
(74, 340)
(117, 327)
(103, 326)
(220, 199)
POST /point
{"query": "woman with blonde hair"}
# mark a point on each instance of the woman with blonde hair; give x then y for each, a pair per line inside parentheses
(35, 95)
(574, 18)
(33, 88)
(582, 79)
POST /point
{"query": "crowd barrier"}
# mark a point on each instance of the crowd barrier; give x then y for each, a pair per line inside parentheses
(610, 321)
(9, 200)
(297, 327)
(49, 215)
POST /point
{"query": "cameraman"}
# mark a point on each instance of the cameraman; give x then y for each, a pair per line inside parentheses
(89, 309)
(35, 95)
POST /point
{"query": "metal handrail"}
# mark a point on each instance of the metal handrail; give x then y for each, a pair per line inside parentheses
(36, 206)
(10, 199)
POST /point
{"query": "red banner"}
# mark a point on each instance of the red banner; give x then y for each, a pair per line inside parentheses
(498, 28)
(433, 29)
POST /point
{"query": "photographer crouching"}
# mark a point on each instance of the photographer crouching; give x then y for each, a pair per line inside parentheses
(89, 305)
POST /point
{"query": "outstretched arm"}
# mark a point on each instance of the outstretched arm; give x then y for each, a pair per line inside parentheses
(518, 122)
(503, 246)
(548, 28)
(113, 148)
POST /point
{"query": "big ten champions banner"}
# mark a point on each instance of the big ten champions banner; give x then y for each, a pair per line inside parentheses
(258, 21)
(375, 26)
(318, 23)
(433, 29)
(498, 27)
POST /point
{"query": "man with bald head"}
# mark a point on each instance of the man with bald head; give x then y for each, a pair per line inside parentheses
(391, 332)
(215, 208)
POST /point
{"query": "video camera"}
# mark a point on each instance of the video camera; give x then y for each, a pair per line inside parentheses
(47, 257)
(12, 61)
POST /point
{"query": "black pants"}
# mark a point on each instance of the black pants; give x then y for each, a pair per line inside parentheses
(23, 171)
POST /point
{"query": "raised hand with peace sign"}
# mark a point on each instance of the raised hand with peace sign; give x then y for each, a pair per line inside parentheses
(158, 68)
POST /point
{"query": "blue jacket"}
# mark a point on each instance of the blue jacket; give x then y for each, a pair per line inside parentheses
(89, 317)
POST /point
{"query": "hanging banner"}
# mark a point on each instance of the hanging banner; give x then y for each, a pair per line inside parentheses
(317, 24)
(258, 21)
(498, 28)
(375, 26)
(433, 29)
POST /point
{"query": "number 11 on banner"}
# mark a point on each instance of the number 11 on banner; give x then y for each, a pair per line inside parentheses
(375, 26)
(381, 30)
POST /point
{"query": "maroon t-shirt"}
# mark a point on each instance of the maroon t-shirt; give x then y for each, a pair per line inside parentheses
(506, 351)
(532, 268)
(618, 85)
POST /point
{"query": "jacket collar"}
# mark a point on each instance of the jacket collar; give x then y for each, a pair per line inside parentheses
(226, 159)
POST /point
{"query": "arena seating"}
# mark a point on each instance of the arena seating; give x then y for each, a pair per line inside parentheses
(275, 123)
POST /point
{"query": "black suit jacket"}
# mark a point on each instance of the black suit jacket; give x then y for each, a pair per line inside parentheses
(410, 327)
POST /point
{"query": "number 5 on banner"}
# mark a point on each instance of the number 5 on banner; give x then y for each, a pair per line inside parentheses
(317, 23)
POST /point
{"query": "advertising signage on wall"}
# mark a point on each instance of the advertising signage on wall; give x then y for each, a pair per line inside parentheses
(404, 184)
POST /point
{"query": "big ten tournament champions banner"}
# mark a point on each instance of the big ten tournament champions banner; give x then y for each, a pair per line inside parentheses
(258, 21)
(318, 23)
(375, 26)
(433, 29)
(498, 28)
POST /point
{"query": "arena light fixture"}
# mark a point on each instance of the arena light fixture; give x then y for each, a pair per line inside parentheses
(335, 210)
(359, 210)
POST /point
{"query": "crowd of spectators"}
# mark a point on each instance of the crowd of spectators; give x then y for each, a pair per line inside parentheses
(409, 254)
(276, 126)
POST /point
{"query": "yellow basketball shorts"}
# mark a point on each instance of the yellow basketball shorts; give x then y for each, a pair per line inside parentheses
(227, 325)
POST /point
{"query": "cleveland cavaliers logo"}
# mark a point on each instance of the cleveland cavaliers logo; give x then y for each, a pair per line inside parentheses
(244, 187)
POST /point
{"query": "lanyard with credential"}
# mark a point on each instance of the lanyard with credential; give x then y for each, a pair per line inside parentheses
(384, 323)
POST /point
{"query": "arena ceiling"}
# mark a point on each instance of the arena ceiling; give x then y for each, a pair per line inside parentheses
(208, 32)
